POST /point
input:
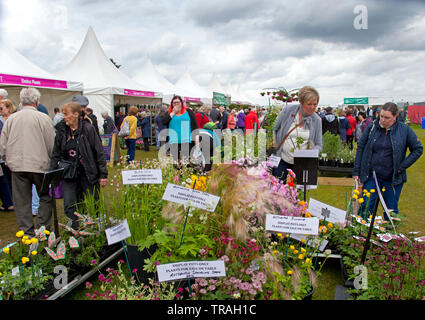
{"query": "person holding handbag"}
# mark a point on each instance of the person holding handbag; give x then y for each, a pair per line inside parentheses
(130, 140)
(79, 151)
(297, 127)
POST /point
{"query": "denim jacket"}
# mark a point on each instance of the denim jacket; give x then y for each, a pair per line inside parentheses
(402, 137)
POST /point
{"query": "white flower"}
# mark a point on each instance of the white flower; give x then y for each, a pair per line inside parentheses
(328, 252)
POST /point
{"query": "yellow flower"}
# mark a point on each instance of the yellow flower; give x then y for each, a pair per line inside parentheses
(302, 203)
(6, 250)
(1, 274)
(280, 235)
(25, 260)
(372, 190)
(289, 272)
(323, 229)
(34, 240)
(292, 247)
(355, 196)
(383, 189)
(193, 177)
(287, 235)
(302, 250)
(28, 242)
(19, 234)
(34, 253)
(274, 251)
(296, 251)
(368, 194)
(330, 225)
(356, 191)
(302, 240)
(307, 214)
(47, 232)
(365, 191)
(361, 200)
(301, 256)
(203, 179)
(308, 260)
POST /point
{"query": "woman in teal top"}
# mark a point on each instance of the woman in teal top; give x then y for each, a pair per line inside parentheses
(181, 122)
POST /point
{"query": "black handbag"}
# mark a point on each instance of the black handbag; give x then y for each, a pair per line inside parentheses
(70, 166)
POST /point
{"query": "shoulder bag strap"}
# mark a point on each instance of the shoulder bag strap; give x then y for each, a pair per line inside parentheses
(286, 136)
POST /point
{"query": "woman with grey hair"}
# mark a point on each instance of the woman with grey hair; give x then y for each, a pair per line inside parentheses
(145, 125)
(297, 127)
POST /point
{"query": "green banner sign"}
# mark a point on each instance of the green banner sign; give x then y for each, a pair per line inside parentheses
(221, 99)
(364, 100)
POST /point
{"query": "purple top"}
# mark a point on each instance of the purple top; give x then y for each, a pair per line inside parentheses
(241, 120)
(365, 123)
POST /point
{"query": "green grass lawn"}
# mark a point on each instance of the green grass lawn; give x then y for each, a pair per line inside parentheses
(411, 206)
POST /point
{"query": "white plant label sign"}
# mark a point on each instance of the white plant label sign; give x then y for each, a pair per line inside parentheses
(323, 210)
(143, 176)
(190, 269)
(190, 197)
(286, 224)
(275, 160)
(118, 233)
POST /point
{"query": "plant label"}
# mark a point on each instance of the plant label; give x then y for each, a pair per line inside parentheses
(190, 197)
(143, 176)
(420, 239)
(322, 211)
(286, 224)
(118, 233)
(275, 160)
(191, 269)
(314, 243)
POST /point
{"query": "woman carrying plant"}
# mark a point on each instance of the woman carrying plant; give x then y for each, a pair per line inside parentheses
(382, 148)
(77, 144)
(130, 140)
(181, 122)
(297, 127)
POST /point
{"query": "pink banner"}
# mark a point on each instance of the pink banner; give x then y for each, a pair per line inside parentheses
(136, 93)
(32, 82)
(191, 99)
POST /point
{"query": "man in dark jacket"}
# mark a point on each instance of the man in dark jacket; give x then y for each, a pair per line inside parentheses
(330, 122)
(84, 102)
(224, 116)
(215, 115)
(382, 149)
(108, 124)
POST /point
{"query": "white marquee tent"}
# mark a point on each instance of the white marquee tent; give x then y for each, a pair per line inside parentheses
(104, 84)
(149, 77)
(196, 92)
(214, 85)
(16, 72)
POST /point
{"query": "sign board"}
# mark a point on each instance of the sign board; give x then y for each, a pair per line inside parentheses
(191, 269)
(275, 160)
(146, 176)
(287, 224)
(306, 164)
(363, 100)
(118, 233)
(221, 99)
(186, 196)
(111, 148)
(322, 211)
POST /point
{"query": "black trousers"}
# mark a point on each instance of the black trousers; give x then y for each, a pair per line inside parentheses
(73, 196)
(22, 198)
(146, 144)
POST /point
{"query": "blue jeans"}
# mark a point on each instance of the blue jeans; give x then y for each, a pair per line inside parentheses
(157, 138)
(391, 196)
(131, 151)
(281, 171)
(35, 204)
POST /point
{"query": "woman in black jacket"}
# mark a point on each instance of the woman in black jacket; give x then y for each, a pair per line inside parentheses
(181, 122)
(77, 142)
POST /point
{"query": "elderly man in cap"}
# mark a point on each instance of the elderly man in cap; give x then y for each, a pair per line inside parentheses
(26, 144)
(83, 102)
(330, 122)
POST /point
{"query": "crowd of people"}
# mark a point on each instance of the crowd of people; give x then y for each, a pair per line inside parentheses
(32, 143)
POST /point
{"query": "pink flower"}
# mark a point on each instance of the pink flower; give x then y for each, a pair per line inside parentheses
(88, 285)
(203, 283)
(101, 278)
(93, 262)
(211, 288)
(180, 289)
(202, 291)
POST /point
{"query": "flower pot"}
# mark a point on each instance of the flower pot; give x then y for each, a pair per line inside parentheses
(309, 295)
(347, 282)
(136, 258)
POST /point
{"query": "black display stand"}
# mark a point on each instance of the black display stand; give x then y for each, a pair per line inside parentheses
(51, 180)
(306, 164)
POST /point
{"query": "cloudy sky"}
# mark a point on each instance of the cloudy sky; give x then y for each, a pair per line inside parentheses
(375, 50)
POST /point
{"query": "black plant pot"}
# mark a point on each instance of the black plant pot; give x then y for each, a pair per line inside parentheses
(309, 295)
(347, 282)
(136, 258)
